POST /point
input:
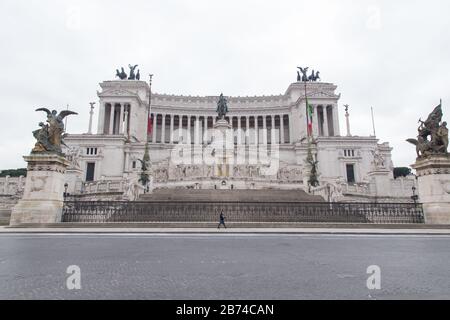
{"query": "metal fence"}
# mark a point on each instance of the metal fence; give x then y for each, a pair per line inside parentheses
(120, 211)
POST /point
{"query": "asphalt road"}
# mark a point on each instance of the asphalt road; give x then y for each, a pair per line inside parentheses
(34, 266)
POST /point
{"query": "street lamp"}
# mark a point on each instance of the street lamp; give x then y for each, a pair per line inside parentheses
(414, 197)
(66, 185)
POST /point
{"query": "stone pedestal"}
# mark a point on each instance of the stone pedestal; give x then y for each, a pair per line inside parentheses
(381, 179)
(42, 200)
(225, 148)
(434, 188)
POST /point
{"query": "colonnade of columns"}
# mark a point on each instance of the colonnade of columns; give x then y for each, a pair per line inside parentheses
(324, 120)
(248, 129)
(277, 127)
(116, 118)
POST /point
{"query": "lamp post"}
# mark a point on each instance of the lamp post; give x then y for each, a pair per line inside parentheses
(329, 192)
(66, 186)
(414, 197)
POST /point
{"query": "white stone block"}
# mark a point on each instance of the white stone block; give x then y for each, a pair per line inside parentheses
(434, 188)
(43, 196)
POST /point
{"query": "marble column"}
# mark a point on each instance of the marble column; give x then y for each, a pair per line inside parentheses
(122, 106)
(239, 131)
(347, 121)
(325, 122)
(282, 129)
(163, 129)
(189, 130)
(197, 130)
(205, 130)
(316, 121)
(155, 124)
(125, 125)
(91, 114)
(264, 139)
(171, 128)
(256, 131)
(111, 119)
(273, 131)
(180, 128)
(247, 129)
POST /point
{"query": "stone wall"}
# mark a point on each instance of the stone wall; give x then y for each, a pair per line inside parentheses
(11, 190)
(105, 196)
(7, 202)
(11, 185)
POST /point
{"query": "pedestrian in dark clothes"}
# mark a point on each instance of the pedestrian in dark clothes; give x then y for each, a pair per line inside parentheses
(222, 220)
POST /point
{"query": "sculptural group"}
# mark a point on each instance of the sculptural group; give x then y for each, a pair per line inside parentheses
(303, 77)
(50, 136)
(122, 75)
(432, 135)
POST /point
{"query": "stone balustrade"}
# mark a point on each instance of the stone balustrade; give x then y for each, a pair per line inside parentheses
(12, 185)
(401, 189)
(101, 186)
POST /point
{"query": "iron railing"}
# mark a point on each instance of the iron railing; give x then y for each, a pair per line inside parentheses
(203, 211)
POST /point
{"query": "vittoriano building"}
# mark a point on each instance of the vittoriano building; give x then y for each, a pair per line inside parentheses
(264, 144)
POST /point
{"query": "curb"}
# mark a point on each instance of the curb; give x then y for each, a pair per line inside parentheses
(205, 231)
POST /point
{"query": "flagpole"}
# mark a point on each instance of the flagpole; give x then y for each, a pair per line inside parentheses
(373, 122)
(149, 104)
(307, 115)
(65, 121)
(146, 158)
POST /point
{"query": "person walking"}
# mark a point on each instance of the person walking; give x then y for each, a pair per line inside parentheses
(221, 220)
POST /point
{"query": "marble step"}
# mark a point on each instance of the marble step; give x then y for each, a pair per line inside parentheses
(231, 195)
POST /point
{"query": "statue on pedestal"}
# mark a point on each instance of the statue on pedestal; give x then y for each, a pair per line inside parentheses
(378, 161)
(433, 168)
(435, 130)
(222, 108)
(43, 197)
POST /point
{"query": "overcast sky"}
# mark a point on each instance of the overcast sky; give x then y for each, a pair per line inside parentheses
(393, 55)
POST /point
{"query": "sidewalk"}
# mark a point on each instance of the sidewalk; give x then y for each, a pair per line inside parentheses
(229, 231)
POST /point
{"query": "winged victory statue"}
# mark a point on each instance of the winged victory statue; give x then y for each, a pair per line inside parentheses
(50, 136)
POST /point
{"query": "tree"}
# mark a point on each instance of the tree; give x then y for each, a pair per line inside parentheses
(14, 172)
(401, 172)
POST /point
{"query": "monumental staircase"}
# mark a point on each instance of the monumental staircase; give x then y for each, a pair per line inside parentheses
(188, 195)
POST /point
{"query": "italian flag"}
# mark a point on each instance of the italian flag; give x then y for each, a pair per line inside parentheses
(309, 117)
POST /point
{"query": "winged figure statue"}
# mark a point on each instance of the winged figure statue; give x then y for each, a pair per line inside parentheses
(304, 71)
(50, 136)
(432, 135)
